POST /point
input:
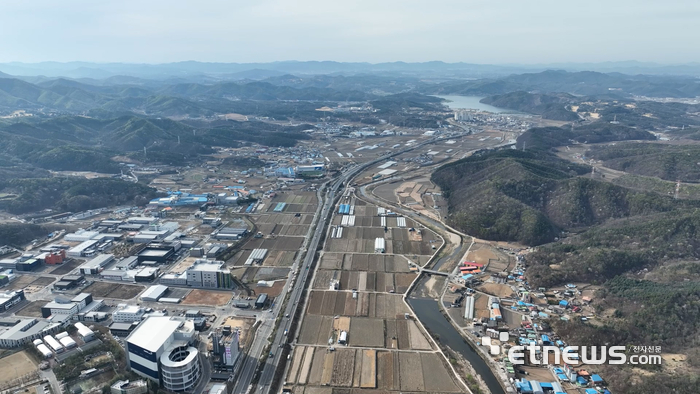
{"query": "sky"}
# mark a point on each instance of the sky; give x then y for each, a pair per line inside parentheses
(472, 31)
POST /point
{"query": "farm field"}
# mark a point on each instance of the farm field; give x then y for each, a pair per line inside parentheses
(365, 281)
(207, 297)
(369, 369)
(113, 290)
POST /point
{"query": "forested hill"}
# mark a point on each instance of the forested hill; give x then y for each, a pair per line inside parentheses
(529, 197)
(550, 106)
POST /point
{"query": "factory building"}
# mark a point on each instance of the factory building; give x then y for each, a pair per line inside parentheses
(153, 293)
(96, 265)
(68, 282)
(161, 349)
(84, 249)
(9, 299)
(207, 273)
(158, 253)
(230, 233)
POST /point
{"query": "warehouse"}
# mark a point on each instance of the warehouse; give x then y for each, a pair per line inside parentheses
(231, 233)
(28, 265)
(154, 293)
(379, 245)
(127, 263)
(160, 254)
(141, 220)
(83, 249)
(68, 282)
(256, 256)
(80, 236)
(96, 265)
(147, 274)
(261, 300)
(122, 329)
(84, 333)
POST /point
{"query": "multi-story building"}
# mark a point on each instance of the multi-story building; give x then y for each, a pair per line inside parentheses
(163, 349)
(128, 313)
(208, 273)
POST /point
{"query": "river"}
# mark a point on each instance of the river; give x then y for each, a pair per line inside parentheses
(472, 102)
(428, 312)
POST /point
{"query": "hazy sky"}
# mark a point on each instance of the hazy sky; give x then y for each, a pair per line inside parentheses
(476, 31)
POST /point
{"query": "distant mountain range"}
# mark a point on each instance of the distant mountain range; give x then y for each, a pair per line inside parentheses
(209, 72)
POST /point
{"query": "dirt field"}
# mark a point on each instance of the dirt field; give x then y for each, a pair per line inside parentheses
(343, 367)
(366, 332)
(409, 366)
(33, 309)
(207, 297)
(66, 267)
(386, 373)
(273, 291)
(436, 376)
(242, 323)
(496, 289)
(21, 282)
(368, 378)
(16, 365)
(418, 340)
(113, 290)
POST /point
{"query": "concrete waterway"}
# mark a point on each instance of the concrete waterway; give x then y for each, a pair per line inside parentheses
(428, 312)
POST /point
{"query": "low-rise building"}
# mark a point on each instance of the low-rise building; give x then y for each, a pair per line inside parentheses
(129, 387)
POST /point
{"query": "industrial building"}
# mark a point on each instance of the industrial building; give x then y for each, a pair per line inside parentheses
(379, 245)
(80, 236)
(96, 265)
(126, 263)
(8, 299)
(261, 301)
(256, 256)
(154, 293)
(122, 329)
(68, 282)
(160, 254)
(68, 308)
(310, 168)
(231, 233)
(128, 313)
(161, 349)
(16, 332)
(84, 249)
(211, 274)
(84, 333)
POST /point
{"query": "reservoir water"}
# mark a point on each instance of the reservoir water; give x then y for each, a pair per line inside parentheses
(471, 102)
(428, 313)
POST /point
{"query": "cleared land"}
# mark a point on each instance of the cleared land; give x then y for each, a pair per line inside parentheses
(16, 365)
(207, 297)
(113, 290)
(33, 309)
(66, 267)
